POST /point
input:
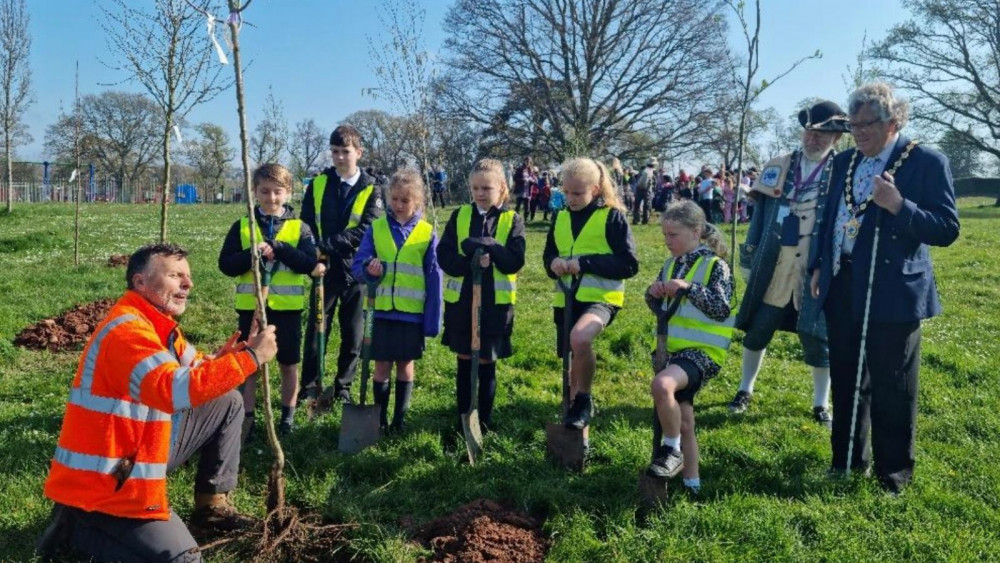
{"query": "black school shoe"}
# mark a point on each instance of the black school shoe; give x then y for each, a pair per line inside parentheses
(580, 412)
(740, 402)
(667, 463)
(342, 395)
(822, 415)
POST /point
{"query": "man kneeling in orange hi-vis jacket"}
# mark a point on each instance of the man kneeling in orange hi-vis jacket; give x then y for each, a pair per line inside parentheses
(143, 401)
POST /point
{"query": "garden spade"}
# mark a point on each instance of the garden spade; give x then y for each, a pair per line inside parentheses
(359, 423)
(652, 489)
(470, 419)
(565, 445)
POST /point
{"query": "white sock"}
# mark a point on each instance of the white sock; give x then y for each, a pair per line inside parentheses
(751, 367)
(674, 442)
(693, 483)
(821, 387)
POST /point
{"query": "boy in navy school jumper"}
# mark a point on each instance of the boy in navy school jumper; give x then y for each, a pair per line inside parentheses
(339, 205)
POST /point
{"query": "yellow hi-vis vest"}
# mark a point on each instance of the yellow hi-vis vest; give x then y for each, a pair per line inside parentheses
(286, 291)
(689, 327)
(357, 209)
(592, 240)
(504, 285)
(403, 286)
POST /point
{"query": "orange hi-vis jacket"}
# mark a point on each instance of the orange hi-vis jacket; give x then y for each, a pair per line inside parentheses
(135, 371)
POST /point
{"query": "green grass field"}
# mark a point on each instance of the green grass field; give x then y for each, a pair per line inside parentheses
(765, 494)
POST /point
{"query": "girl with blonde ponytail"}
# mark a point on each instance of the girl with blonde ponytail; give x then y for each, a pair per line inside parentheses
(592, 239)
(697, 280)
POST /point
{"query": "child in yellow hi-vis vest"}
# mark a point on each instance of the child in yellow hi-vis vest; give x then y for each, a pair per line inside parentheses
(698, 332)
(400, 250)
(288, 254)
(591, 238)
(487, 223)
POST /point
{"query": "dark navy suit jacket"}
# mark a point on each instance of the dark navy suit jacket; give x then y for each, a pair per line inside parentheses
(903, 287)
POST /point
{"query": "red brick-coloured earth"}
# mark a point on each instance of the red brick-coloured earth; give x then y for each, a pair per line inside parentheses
(483, 531)
(68, 331)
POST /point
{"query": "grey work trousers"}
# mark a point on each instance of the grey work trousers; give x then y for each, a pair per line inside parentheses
(213, 429)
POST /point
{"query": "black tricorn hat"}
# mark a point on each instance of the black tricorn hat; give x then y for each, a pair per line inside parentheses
(824, 116)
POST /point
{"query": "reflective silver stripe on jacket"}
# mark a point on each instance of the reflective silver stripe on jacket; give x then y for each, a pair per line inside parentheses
(142, 369)
(687, 310)
(287, 290)
(409, 269)
(182, 388)
(400, 292)
(703, 337)
(453, 284)
(107, 465)
(503, 285)
(595, 282)
(83, 397)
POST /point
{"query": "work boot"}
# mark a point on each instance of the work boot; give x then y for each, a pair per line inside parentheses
(580, 412)
(740, 402)
(667, 463)
(214, 513)
(285, 428)
(822, 416)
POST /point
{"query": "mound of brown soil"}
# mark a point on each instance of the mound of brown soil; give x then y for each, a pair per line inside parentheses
(117, 260)
(484, 531)
(67, 331)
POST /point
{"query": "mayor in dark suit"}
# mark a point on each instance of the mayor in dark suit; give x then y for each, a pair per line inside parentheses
(906, 189)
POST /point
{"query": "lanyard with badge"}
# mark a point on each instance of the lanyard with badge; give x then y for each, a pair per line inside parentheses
(790, 221)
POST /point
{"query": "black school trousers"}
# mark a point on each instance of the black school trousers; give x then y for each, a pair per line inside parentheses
(350, 322)
(887, 401)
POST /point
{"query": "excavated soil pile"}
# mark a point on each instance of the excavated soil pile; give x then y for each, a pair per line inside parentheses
(67, 331)
(484, 531)
(117, 260)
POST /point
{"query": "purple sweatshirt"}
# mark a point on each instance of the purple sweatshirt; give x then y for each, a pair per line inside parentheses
(431, 317)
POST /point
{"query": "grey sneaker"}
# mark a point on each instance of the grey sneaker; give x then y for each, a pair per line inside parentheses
(667, 463)
(740, 402)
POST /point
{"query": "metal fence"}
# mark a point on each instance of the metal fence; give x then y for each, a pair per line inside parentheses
(112, 191)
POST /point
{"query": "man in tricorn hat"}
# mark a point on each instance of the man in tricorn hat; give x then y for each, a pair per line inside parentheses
(788, 197)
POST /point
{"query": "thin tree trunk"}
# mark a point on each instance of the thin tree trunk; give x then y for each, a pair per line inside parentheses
(166, 178)
(276, 483)
(79, 173)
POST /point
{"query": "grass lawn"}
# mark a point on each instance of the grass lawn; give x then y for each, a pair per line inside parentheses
(765, 495)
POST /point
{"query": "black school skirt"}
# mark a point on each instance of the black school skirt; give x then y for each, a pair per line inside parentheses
(397, 341)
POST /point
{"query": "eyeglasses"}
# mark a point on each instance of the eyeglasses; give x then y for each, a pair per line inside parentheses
(862, 127)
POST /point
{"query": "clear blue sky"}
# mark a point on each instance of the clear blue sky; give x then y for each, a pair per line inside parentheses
(314, 53)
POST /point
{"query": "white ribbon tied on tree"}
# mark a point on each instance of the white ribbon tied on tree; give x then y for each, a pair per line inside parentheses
(177, 133)
(72, 176)
(210, 22)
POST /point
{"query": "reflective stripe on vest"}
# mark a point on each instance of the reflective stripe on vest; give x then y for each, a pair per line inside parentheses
(403, 286)
(591, 241)
(504, 285)
(357, 209)
(82, 397)
(107, 465)
(689, 327)
(286, 291)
